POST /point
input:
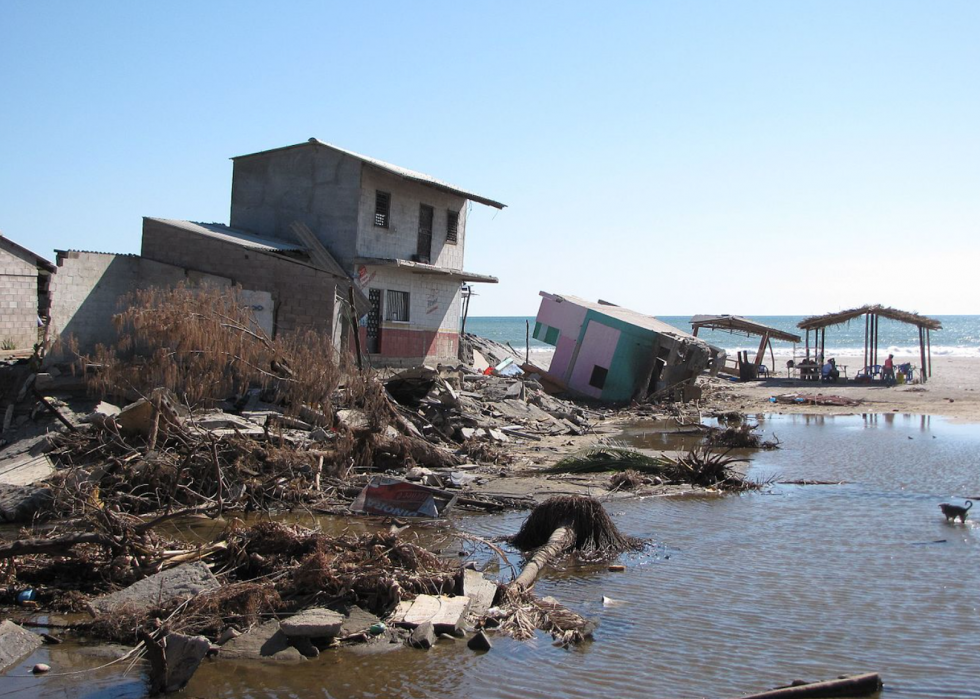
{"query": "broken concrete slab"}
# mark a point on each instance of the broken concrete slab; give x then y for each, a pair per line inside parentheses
(102, 413)
(183, 582)
(317, 622)
(264, 642)
(479, 642)
(445, 613)
(423, 636)
(174, 660)
(25, 469)
(23, 503)
(479, 590)
(357, 621)
(138, 417)
(16, 643)
(354, 420)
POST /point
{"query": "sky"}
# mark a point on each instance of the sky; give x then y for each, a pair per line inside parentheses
(756, 158)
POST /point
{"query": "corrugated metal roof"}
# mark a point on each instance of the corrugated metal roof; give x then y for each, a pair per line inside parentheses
(402, 172)
(225, 234)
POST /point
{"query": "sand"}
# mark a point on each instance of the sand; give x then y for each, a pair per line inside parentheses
(952, 391)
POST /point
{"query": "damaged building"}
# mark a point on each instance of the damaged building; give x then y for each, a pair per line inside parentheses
(401, 234)
(312, 227)
(614, 354)
(24, 295)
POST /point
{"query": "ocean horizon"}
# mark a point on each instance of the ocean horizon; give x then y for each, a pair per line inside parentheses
(959, 337)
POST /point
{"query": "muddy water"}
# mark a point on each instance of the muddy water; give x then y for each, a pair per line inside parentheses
(738, 593)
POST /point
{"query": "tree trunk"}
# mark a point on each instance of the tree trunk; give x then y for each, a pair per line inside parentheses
(561, 539)
(853, 686)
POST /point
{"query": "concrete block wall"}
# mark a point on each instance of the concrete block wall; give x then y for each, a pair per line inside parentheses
(432, 332)
(303, 295)
(90, 288)
(308, 183)
(400, 240)
(18, 300)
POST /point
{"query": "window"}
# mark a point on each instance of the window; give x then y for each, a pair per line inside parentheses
(599, 374)
(396, 306)
(452, 226)
(382, 208)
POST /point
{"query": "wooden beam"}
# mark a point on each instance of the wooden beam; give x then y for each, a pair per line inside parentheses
(762, 350)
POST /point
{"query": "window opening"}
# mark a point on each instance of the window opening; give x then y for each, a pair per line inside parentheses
(382, 208)
(396, 306)
(424, 250)
(598, 378)
(452, 227)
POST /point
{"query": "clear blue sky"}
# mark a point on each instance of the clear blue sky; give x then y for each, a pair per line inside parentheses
(705, 157)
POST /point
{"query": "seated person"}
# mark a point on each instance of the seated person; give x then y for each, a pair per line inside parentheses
(829, 371)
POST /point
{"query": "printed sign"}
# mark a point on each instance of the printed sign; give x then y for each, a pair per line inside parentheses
(397, 498)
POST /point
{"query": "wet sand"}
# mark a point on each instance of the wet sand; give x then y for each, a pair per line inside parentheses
(952, 391)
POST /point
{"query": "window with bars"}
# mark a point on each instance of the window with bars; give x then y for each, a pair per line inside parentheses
(452, 226)
(396, 306)
(382, 208)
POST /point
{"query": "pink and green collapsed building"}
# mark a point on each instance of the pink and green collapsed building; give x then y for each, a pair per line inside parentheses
(614, 354)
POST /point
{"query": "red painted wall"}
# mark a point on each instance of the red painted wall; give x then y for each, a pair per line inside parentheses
(415, 344)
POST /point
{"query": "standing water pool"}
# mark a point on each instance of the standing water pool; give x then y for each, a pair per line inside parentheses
(737, 593)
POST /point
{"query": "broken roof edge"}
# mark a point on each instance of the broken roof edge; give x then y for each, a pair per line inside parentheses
(38, 260)
(423, 268)
(227, 234)
(840, 317)
(404, 173)
(742, 324)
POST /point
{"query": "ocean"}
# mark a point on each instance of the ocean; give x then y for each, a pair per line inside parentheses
(960, 336)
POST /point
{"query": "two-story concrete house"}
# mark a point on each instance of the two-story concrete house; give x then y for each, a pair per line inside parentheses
(401, 235)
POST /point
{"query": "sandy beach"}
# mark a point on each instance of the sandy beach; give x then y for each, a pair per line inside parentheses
(952, 391)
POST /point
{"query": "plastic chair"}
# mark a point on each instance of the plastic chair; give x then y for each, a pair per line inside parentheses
(908, 370)
(868, 373)
(763, 370)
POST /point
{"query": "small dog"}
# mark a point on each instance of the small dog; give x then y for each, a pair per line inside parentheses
(954, 511)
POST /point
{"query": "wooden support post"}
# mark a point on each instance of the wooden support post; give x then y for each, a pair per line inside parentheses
(929, 349)
(808, 344)
(874, 338)
(922, 354)
(762, 350)
(823, 346)
(356, 331)
(867, 320)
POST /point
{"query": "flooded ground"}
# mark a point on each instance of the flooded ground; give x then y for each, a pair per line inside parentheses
(737, 594)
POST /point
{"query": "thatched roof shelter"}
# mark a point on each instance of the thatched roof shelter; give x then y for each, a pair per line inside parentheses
(737, 325)
(872, 314)
(744, 326)
(827, 319)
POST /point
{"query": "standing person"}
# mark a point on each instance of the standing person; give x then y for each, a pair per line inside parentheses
(888, 370)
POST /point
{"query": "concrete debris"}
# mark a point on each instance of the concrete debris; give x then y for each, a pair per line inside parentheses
(160, 409)
(174, 660)
(423, 636)
(183, 582)
(480, 591)
(445, 613)
(479, 642)
(25, 469)
(16, 643)
(22, 503)
(264, 642)
(316, 622)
